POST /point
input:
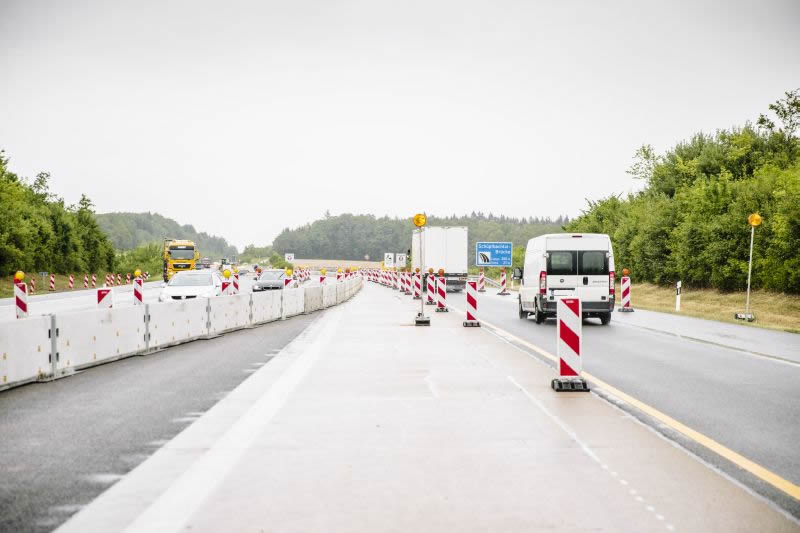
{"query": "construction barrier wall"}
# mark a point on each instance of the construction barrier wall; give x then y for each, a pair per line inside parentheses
(24, 350)
(40, 348)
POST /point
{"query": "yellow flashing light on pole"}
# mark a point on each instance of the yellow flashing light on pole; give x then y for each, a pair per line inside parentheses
(339, 270)
(226, 273)
(324, 272)
(19, 276)
(288, 272)
(420, 219)
(137, 273)
(754, 220)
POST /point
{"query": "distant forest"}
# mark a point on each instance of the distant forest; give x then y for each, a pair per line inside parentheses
(354, 237)
(128, 231)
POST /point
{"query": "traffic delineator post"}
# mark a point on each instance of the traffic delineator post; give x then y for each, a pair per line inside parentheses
(431, 293)
(128, 278)
(86, 281)
(71, 282)
(481, 282)
(119, 278)
(20, 295)
(407, 284)
(235, 283)
(417, 286)
(569, 344)
(33, 286)
(105, 298)
(108, 280)
(472, 305)
(441, 291)
(138, 298)
(625, 294)
(52, 282)
(503, 291)
(94, 280)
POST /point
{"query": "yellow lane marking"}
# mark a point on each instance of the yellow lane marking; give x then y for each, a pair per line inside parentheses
(739, 460)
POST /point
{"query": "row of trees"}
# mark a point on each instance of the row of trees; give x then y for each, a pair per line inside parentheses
(356, 237)
(39, 232)
(689, 223)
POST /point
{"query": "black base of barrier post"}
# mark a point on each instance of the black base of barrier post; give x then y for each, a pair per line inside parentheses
(441, 309)
(472, 324)
(626, 309)
(569, 385)
(421, 320)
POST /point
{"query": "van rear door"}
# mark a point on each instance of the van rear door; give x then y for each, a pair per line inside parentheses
(593, 272)
(562, 271)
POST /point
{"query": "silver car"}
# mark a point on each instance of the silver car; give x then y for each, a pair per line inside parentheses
(271, 279)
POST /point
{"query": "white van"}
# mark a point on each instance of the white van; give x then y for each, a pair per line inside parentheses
(567, 264)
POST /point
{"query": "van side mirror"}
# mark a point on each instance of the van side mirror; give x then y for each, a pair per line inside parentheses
(517, 274)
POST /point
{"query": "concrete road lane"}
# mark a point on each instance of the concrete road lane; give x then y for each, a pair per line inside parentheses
(367, 423)
(746, 402)
(65, 442)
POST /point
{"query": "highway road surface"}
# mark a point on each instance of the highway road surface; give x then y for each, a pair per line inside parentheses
(734, 384)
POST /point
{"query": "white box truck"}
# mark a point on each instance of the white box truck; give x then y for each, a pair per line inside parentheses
(444, 247)
(567, 264)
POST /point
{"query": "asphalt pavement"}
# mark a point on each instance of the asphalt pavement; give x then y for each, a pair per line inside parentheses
(66, 441)
(745, 401)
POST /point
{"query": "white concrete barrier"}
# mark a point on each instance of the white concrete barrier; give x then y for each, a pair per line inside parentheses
(341, 291)
(328, 295)
(177, 321)
(312, 299)
(24, 350)
(228, 313)
(266, 306)
(293, 302)
(89, 337)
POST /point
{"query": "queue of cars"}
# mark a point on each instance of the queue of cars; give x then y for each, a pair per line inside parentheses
(208, 283)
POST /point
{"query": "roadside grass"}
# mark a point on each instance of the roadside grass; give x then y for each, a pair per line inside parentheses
(772, 310)
(43, 285)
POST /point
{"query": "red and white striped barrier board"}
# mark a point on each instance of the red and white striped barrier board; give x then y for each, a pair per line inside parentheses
(431, 290)
(472, 304)
(417, 286)
(408, 282)
(105, 298)
(236, 283)
(108, 280)
(52, 282)
(338, 277)
(119, 278)
(127, 279)
(137, 292)
(441, 291)
(21, 299)
(94, 280)
(86, 281)
(71, 282)
(33, 286)
(322, 279)
(503, 291)
(481, 282)
(226, 288)
(625, 293)
(146, 275)
(569, 347)
(286, 282)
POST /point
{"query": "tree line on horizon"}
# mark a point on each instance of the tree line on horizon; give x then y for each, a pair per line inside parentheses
(689, 223)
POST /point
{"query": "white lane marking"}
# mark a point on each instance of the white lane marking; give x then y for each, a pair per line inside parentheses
(103, 479)
(176, 505)
(432, 386)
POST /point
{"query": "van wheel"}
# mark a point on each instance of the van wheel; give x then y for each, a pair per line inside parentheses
(522, 314)
(538, 316)
(605, 318)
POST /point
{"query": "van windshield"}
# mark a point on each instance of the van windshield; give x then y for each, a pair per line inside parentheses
(592, 263)
(562, 264)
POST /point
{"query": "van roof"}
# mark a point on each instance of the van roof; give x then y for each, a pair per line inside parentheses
(573, 241)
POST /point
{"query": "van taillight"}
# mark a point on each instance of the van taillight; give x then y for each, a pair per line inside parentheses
(611, 283)
(542, 282)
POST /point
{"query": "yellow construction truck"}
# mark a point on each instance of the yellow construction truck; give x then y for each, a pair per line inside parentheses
(178, 256)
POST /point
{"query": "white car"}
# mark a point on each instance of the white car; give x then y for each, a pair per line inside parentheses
(567, 265)
(192, 284)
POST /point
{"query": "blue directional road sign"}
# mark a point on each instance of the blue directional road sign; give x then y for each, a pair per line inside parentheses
(493, 254)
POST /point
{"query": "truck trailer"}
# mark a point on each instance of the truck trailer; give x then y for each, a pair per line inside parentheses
(445, 248)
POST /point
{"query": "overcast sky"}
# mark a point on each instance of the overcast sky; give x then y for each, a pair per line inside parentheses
(242, 118)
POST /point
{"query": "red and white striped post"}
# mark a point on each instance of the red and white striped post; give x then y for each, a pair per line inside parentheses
(105, 298)
(286, 282)
(417, 285)
(71, 282)
(52, 282)
(569, 345)
(625, 293)
(146, 275)
(472, 305)
(235, 283)
(119, 278)
(226, 288)
(408, 283)
(441, 289)
(128, 278)
(94, 280)
(108, 280)
(481, 282)
(21, 298)
(503, 291)
(86, 281)
(137, 291)
(431, 289)
(33, 286)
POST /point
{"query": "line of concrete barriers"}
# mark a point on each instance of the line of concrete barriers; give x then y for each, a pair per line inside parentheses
(47, 347)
